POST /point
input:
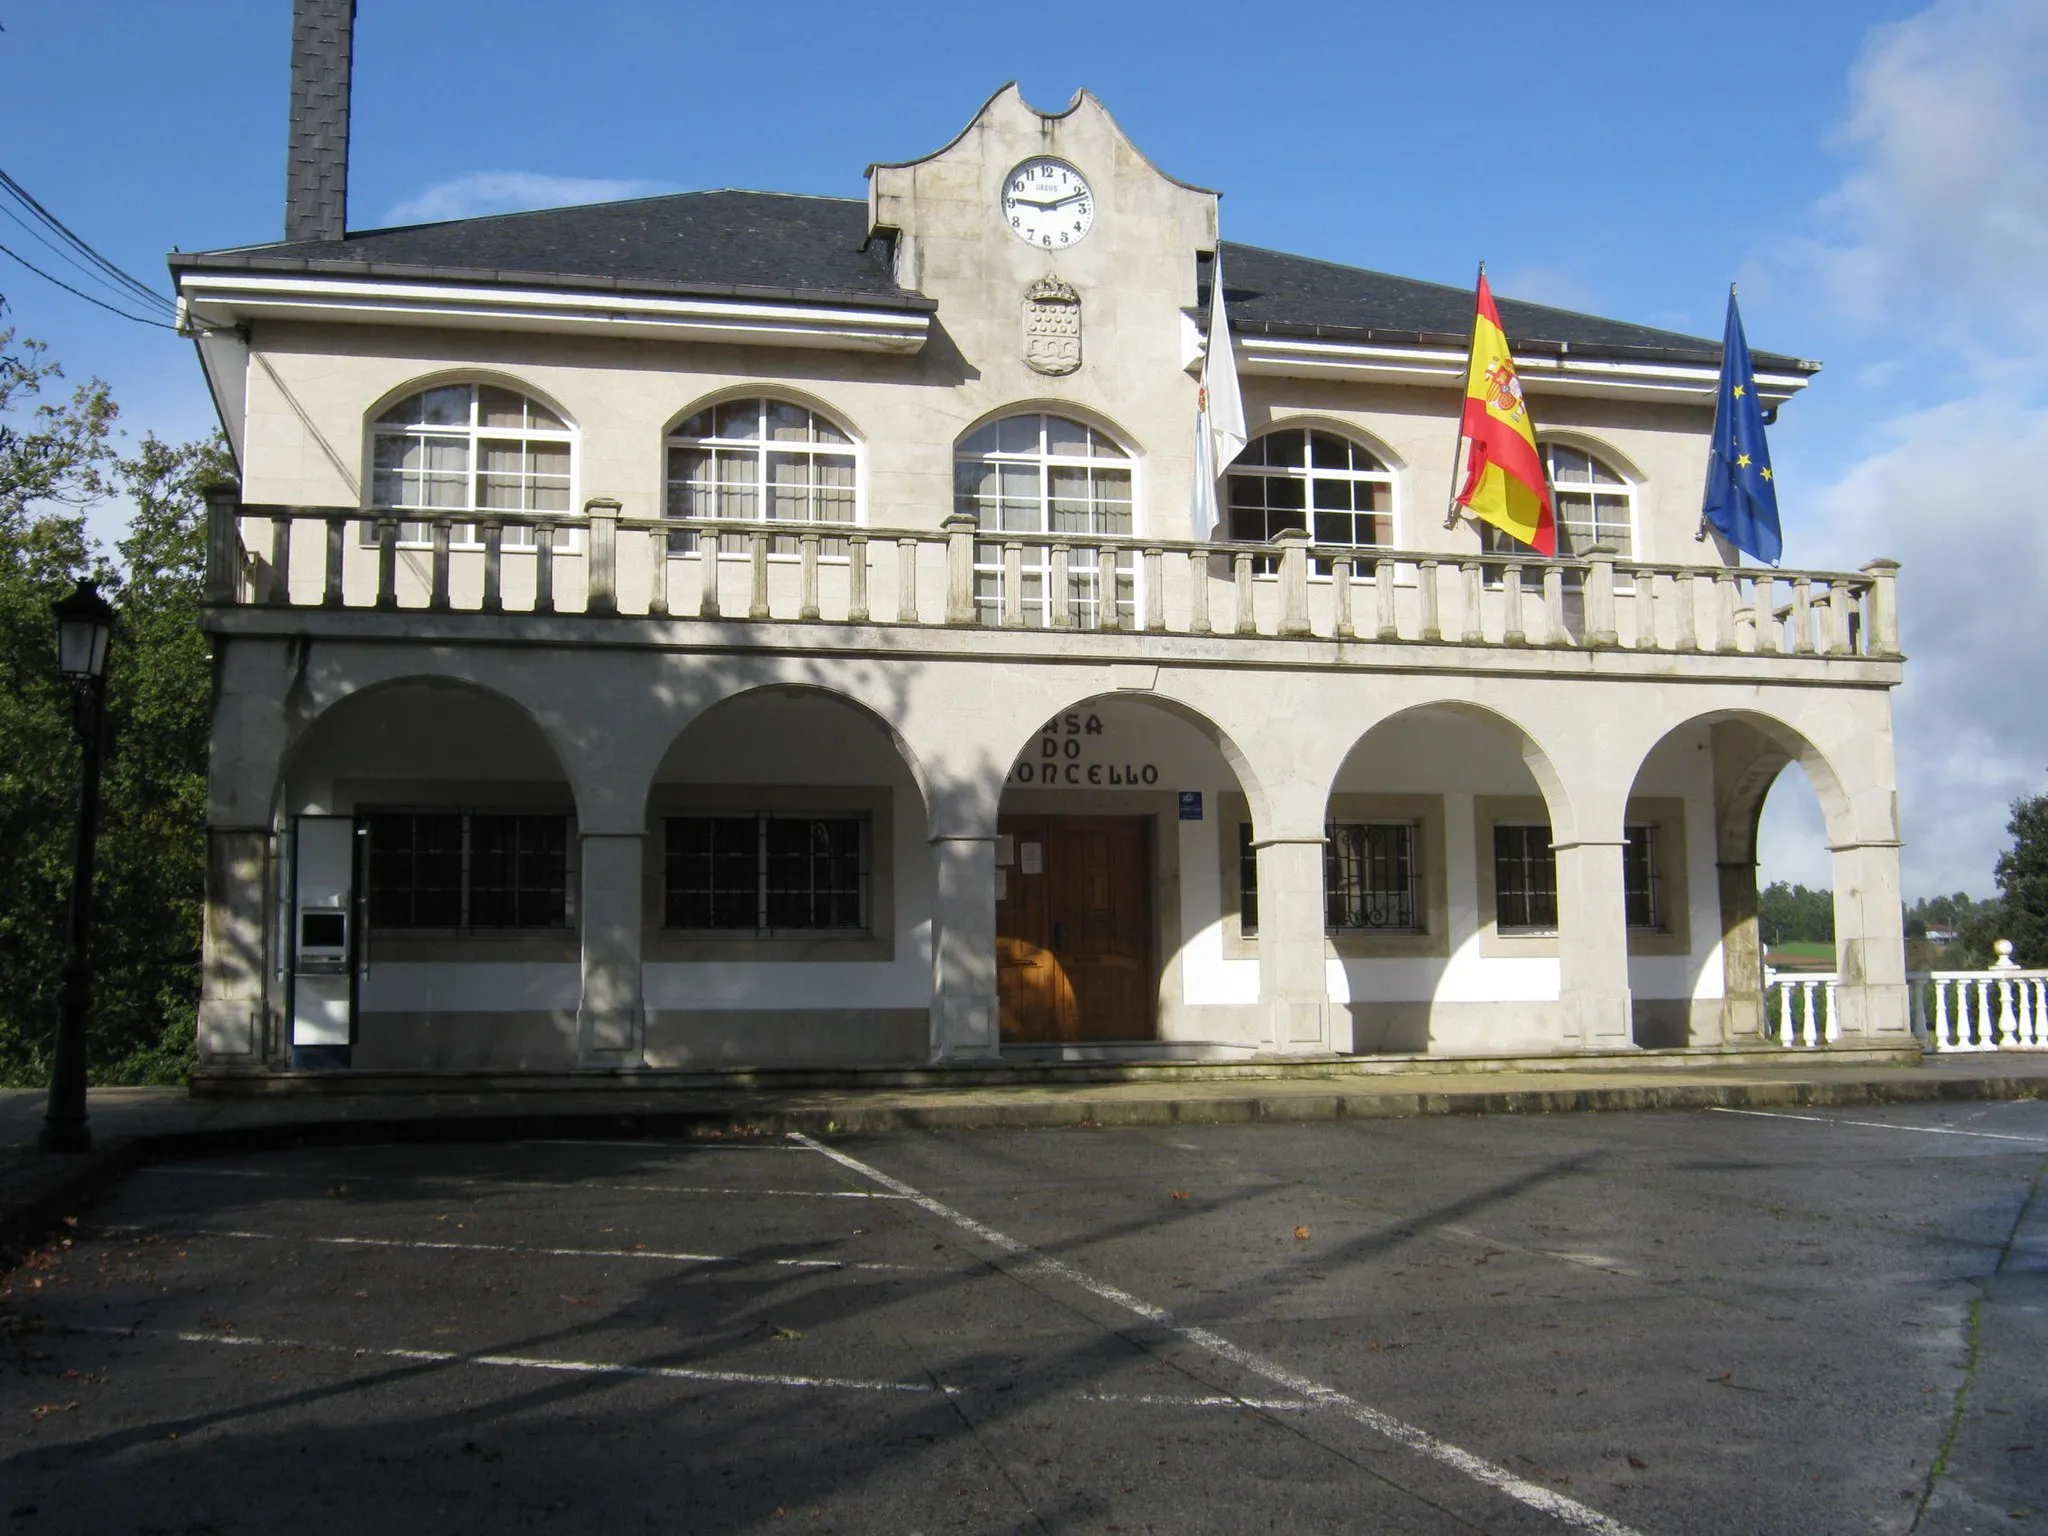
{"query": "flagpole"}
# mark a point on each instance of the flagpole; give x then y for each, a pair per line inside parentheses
(1458, 445)
(1701, 536)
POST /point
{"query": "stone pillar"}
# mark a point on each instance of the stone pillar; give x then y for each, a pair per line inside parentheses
(233, 967)
(1742, 955)
(965, 1021)
(1592, 947)
(609, 1021)
(1870, 944)
(1294, 981)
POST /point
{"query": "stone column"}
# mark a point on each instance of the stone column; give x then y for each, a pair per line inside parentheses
(1294, 981)
(233, 967)
(965, 1021)
(609, 1022)
(1742, 955)
(1870, 944)
(1592, 947)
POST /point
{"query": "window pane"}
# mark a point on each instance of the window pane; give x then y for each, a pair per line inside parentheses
(446, 407)
(824, 432)
(711, 873)
(1247, 880)
(518, 871)
(1327, 452)
(1017, 434)
(1288, 448)
(499, 407)
(980, 442)
(1525, 877)
(814, 874)
(698, 425)
(415, 870)
(740, 419)
(788, 423)
(1067, 439)
(409, 412)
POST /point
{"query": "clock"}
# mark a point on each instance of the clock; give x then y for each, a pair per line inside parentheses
(1047, 203)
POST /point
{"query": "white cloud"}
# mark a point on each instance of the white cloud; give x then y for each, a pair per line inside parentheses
(481, 192)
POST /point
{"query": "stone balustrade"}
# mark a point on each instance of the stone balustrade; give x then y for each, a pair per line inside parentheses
(601, 563)
(2004, 1008)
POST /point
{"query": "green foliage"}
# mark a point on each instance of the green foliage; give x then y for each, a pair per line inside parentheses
(1792, 913)
(2022, 872)
(58, 457)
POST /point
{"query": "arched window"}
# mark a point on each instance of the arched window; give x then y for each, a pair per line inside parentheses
(469, 448)
(1595, 505)
(1038, 473)
(762, 460)
(1300, 478)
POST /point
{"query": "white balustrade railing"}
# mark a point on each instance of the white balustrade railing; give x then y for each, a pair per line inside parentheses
(959, 574)
(2004, 1008)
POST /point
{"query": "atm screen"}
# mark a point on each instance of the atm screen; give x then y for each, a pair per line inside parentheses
(322, 930)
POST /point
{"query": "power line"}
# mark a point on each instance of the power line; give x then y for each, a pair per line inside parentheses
(103, 304)
(91, 273)
(130, 287)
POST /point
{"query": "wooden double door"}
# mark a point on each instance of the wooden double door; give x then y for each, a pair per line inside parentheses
(1074, 928)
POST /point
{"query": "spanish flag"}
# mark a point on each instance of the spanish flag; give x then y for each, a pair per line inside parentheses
(1504, 480)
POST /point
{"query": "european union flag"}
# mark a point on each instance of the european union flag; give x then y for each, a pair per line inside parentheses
(1742, 496)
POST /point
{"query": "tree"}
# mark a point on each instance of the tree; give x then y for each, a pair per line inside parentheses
(2022, 872)
(57, 458)
(1791, 914)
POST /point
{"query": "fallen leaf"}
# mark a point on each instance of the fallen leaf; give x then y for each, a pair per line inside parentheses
(1638, 1463)
(43, 1412)
(1180, 1194)
(785, 1333)
(577, 1301)
(1301, 1233)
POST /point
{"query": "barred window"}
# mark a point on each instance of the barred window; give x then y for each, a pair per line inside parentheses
(1524, 878)
(766, 873)
(1641, 879)
(467, 870)
(1045, 474)
(761, 460)
(468, 448)
(1372, 878)
(1328, 485)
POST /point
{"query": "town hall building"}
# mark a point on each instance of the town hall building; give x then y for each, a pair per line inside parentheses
(744, 630)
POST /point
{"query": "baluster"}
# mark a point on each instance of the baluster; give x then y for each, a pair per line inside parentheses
(1294, 545)
(1980, 1023)
(807, 548)
(1799, 639)
(1942, 1027)
(1763, 596)
(387, 562)
(1241, 582)
(1553, 606)
(2007, 1031)
(1834, 1025)
(1425, 580)
(280, 592)
(1882, 634)
(757, 560)
(494, 565)
(222, 582)
(544, 567)
(658, 587)
(960, 529)
(337, 545)
(1644, 585)
(437, 598)
(1387, 618)
(1916, 994)
(1474, 585)
(1155, 589)
(857, 578)
(1827, 640)
(1340, 596)
(1809, 1034)
(1013, 585)
(1600, 631)
(1785, 1013)
(1686, 637)
(1059, 599)
(1107, 615)
(906, 581)
(1511, 589)
(601, 563)
(1724, 617)
(709, 545)
(1198, 592)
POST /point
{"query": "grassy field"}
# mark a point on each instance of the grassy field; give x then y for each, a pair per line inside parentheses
(1806, 949)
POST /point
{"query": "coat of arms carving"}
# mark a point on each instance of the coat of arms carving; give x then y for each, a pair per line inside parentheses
(1052, 327)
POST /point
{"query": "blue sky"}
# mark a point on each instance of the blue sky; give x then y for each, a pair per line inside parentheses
(1876, 175)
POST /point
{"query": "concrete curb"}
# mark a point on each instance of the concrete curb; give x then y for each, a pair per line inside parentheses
(73, 1183)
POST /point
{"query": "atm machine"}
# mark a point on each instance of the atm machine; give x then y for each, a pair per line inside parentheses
(324, 932)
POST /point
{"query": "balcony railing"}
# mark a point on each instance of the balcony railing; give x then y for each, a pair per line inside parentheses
(2004, 1008)
(962, 575)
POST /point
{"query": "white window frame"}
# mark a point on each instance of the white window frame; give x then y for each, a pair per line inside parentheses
(1082, 577)
(1308, 473)
(762, 448)
(1622, 488)
(417, 533)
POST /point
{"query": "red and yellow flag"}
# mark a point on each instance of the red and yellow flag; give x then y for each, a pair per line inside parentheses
(1504, 480)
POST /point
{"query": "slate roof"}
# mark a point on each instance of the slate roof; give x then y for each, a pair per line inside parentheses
(816, 249)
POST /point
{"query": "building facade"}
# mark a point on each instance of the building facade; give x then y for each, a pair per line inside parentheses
(738, 630)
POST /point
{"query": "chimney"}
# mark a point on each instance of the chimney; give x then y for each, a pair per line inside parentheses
(316, 153)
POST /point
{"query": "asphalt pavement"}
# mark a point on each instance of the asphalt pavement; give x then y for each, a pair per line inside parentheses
(1787, 1320)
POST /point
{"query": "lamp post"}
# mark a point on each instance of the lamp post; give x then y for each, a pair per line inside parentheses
(85, 623)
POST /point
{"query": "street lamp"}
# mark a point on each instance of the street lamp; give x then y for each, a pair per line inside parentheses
(85, 623)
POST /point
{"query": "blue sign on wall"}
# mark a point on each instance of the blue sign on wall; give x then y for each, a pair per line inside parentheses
(1191, 805)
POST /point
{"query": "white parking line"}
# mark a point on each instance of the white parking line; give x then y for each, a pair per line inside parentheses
(521, 1248)
(1420, 1441)
(1879, 1125)
(200, 1170)
(666, 1372)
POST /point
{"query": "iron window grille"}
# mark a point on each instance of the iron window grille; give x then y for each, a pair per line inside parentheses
(470, 448)
(766, 874)
(467, 871)
(1372, 878)
(762, 460)
(1524, 878)
(1641, 878)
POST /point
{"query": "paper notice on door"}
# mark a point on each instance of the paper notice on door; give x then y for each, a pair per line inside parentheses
(1002, 885)
(1006, 849)
(1031, 858)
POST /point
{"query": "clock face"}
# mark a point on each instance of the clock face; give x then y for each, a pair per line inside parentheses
(1047, 204)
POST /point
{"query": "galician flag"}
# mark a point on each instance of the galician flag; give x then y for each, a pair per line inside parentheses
(1504, 480)
(1742, 496)
(1219, 416)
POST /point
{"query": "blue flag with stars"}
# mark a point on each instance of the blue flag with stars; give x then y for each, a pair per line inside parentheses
(1742, 495)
